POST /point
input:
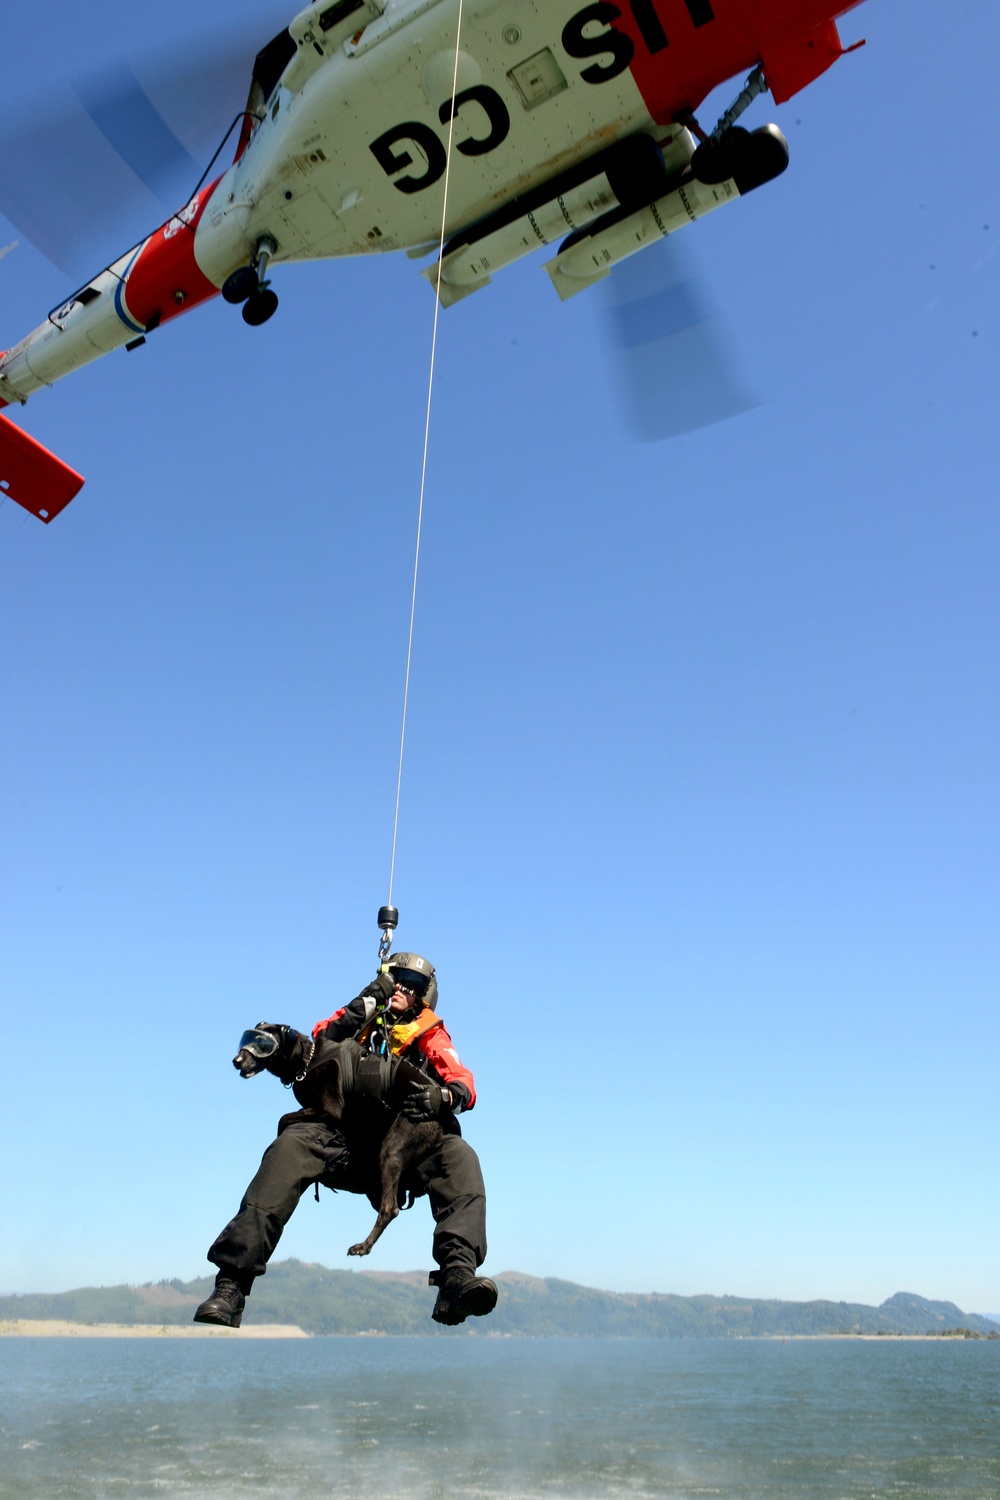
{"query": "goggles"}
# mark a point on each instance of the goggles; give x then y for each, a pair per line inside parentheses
(258, 1043)
(409, 979)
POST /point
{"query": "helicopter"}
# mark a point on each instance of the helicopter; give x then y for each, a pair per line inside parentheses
(558, 124)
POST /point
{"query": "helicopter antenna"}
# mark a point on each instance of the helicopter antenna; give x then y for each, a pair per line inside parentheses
(423, 465)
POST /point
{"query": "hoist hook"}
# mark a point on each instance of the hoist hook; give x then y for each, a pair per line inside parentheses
(388, 920)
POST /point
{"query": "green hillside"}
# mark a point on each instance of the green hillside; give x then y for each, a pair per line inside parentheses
(323, 1301)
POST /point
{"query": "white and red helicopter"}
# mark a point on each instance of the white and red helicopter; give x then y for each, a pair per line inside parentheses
(570, 122)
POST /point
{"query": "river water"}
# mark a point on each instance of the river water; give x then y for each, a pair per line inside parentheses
(433, 1419)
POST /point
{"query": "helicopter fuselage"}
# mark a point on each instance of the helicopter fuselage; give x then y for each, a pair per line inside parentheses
(551, 110)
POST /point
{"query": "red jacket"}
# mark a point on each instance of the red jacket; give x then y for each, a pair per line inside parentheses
(431, 1047)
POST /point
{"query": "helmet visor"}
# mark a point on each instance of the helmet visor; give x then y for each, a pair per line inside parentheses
(258, 1043)
(410, 980)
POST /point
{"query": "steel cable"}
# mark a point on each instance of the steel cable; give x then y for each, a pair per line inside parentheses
(423, 466)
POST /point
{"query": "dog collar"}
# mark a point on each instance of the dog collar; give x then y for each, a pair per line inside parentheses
(305, 1066)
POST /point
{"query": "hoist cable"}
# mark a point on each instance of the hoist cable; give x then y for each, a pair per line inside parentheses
(423, 466)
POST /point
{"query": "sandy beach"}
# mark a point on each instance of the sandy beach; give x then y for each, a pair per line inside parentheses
(52, 1328)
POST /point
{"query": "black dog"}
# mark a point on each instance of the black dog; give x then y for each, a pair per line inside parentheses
(359, 1093)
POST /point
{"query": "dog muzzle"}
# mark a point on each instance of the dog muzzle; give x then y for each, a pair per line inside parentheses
(254, 1050)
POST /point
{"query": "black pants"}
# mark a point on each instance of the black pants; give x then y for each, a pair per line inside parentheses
(308, 1151)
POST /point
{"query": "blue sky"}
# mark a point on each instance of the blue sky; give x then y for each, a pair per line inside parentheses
(700, 805)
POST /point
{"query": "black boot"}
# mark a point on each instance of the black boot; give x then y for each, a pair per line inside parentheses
(226, 1304)
(462, 1295)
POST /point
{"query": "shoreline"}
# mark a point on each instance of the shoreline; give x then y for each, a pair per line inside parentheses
(48, 1328)
(60, 1328)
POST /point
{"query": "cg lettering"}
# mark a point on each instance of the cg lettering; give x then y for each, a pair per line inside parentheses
(484, 115)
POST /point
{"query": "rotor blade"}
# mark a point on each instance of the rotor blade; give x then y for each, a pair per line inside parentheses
(127, 118)
(68, 191)
(107, 158)
(198, 93)
(676, 370)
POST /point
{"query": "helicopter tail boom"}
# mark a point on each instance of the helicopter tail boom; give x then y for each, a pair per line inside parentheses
(149, 285)
(32, 476)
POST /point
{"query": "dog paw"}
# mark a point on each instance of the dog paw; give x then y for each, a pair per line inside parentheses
(358, 1250)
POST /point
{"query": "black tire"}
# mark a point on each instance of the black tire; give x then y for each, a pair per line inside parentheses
(763, 157)
(261, 306)
(240, 285)
(716, 161)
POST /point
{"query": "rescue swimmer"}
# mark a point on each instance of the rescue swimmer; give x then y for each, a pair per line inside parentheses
(394, 1015)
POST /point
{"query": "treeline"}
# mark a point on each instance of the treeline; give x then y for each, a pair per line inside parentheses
(323, 1301)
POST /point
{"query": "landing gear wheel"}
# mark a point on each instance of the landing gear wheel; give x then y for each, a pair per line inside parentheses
(240, 285)
(750, 158)
(261, 306)
(716, 161)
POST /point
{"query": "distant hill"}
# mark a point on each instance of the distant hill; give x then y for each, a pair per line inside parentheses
(323, 1301)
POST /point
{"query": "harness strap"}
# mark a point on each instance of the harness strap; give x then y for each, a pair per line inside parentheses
(350, 1056)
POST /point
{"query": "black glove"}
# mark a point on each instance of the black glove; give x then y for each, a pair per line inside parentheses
(380, 990)
(428, 1103)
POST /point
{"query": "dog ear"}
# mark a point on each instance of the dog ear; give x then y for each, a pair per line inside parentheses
(292, 1054)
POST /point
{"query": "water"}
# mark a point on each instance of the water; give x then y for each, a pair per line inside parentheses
(432, 1419)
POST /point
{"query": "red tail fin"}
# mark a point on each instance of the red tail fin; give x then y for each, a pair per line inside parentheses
(33, 476)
